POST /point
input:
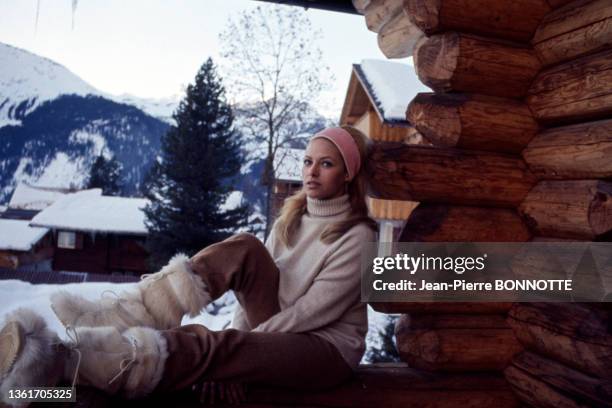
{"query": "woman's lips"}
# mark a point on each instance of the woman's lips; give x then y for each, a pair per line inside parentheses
(312, 184)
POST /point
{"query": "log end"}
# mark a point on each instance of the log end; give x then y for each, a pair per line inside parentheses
(437, 117)
(436, 60)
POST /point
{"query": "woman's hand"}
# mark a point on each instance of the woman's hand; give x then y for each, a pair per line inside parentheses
(212, 392)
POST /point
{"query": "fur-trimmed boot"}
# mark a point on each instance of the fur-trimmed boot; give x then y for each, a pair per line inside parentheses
(130, 364)
(160, 301)
(28, 354)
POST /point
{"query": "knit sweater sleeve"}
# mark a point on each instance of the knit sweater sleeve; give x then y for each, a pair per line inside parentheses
(335, 289)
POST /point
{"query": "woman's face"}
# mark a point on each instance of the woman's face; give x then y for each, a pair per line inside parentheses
(324, 174)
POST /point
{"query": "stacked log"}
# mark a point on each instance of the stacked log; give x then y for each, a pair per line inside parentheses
(570, 32)
(570, 354)
(520, 125)
(473, 121)
(516, 20)
(461, 62)
(574, 91)
(543, 382)
(441, 175)
(456, 342)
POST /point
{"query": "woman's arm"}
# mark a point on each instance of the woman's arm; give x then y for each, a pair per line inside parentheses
(332, 293)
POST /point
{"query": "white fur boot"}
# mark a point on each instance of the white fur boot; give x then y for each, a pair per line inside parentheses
(130, 363)
(160, 301)
(28, 354)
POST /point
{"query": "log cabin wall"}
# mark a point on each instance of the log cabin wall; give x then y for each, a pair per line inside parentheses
(520, 123)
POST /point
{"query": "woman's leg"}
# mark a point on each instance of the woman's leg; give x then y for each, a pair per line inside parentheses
(195, 353)
(241, 263)
(294, 360)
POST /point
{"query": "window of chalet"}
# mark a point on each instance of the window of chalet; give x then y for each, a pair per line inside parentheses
(69, 240)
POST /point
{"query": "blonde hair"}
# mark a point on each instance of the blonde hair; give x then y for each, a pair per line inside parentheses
(295, 206)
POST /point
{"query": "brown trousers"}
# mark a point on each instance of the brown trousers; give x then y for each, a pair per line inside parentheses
(294, 360)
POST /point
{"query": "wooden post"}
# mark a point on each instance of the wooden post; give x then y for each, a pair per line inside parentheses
(465, 63)
(472, 121)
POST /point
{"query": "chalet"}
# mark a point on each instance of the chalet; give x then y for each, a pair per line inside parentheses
(287, 176)
(96, 233)
(28, 200)
(375, 103)
(22, 245)
(376, 100)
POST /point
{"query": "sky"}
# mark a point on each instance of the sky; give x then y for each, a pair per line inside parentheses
(153, 48)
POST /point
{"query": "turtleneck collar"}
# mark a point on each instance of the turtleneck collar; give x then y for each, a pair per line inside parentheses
(328, 208)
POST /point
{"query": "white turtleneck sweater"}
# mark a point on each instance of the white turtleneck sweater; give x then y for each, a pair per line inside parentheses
(319, 289)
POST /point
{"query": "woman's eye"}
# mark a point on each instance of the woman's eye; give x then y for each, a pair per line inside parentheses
(328, 164)
(306, 162)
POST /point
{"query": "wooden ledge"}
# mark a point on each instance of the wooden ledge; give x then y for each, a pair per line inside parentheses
(376, 385)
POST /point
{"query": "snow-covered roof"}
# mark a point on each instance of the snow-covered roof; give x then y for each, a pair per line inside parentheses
(392, 85)
(18, 235)
(28, 197)
(288, 164)
(89, 211)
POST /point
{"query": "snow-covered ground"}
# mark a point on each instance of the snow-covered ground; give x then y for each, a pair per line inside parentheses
(15, 294)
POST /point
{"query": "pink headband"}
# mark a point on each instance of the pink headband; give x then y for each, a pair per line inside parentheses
(345, 143)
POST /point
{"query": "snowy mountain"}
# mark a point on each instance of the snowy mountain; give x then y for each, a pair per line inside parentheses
(28, 80)
(53, 125)
(57, 143)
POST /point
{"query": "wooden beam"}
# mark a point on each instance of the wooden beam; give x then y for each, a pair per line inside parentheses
(444, 223)
(466, 63)
(472, 121)
(574, 91)
(506, 19)
(582, 151)
(397, 37)
(569, 209)
(456, 342)
(429, 174)
(570, 32)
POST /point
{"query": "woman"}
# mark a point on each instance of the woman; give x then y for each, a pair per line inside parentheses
(300, 322)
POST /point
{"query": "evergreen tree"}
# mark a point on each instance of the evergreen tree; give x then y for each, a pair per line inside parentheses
(193, 177)
(105, 174)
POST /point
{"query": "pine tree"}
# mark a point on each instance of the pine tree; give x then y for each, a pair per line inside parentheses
(194, 175)
(105, 174)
